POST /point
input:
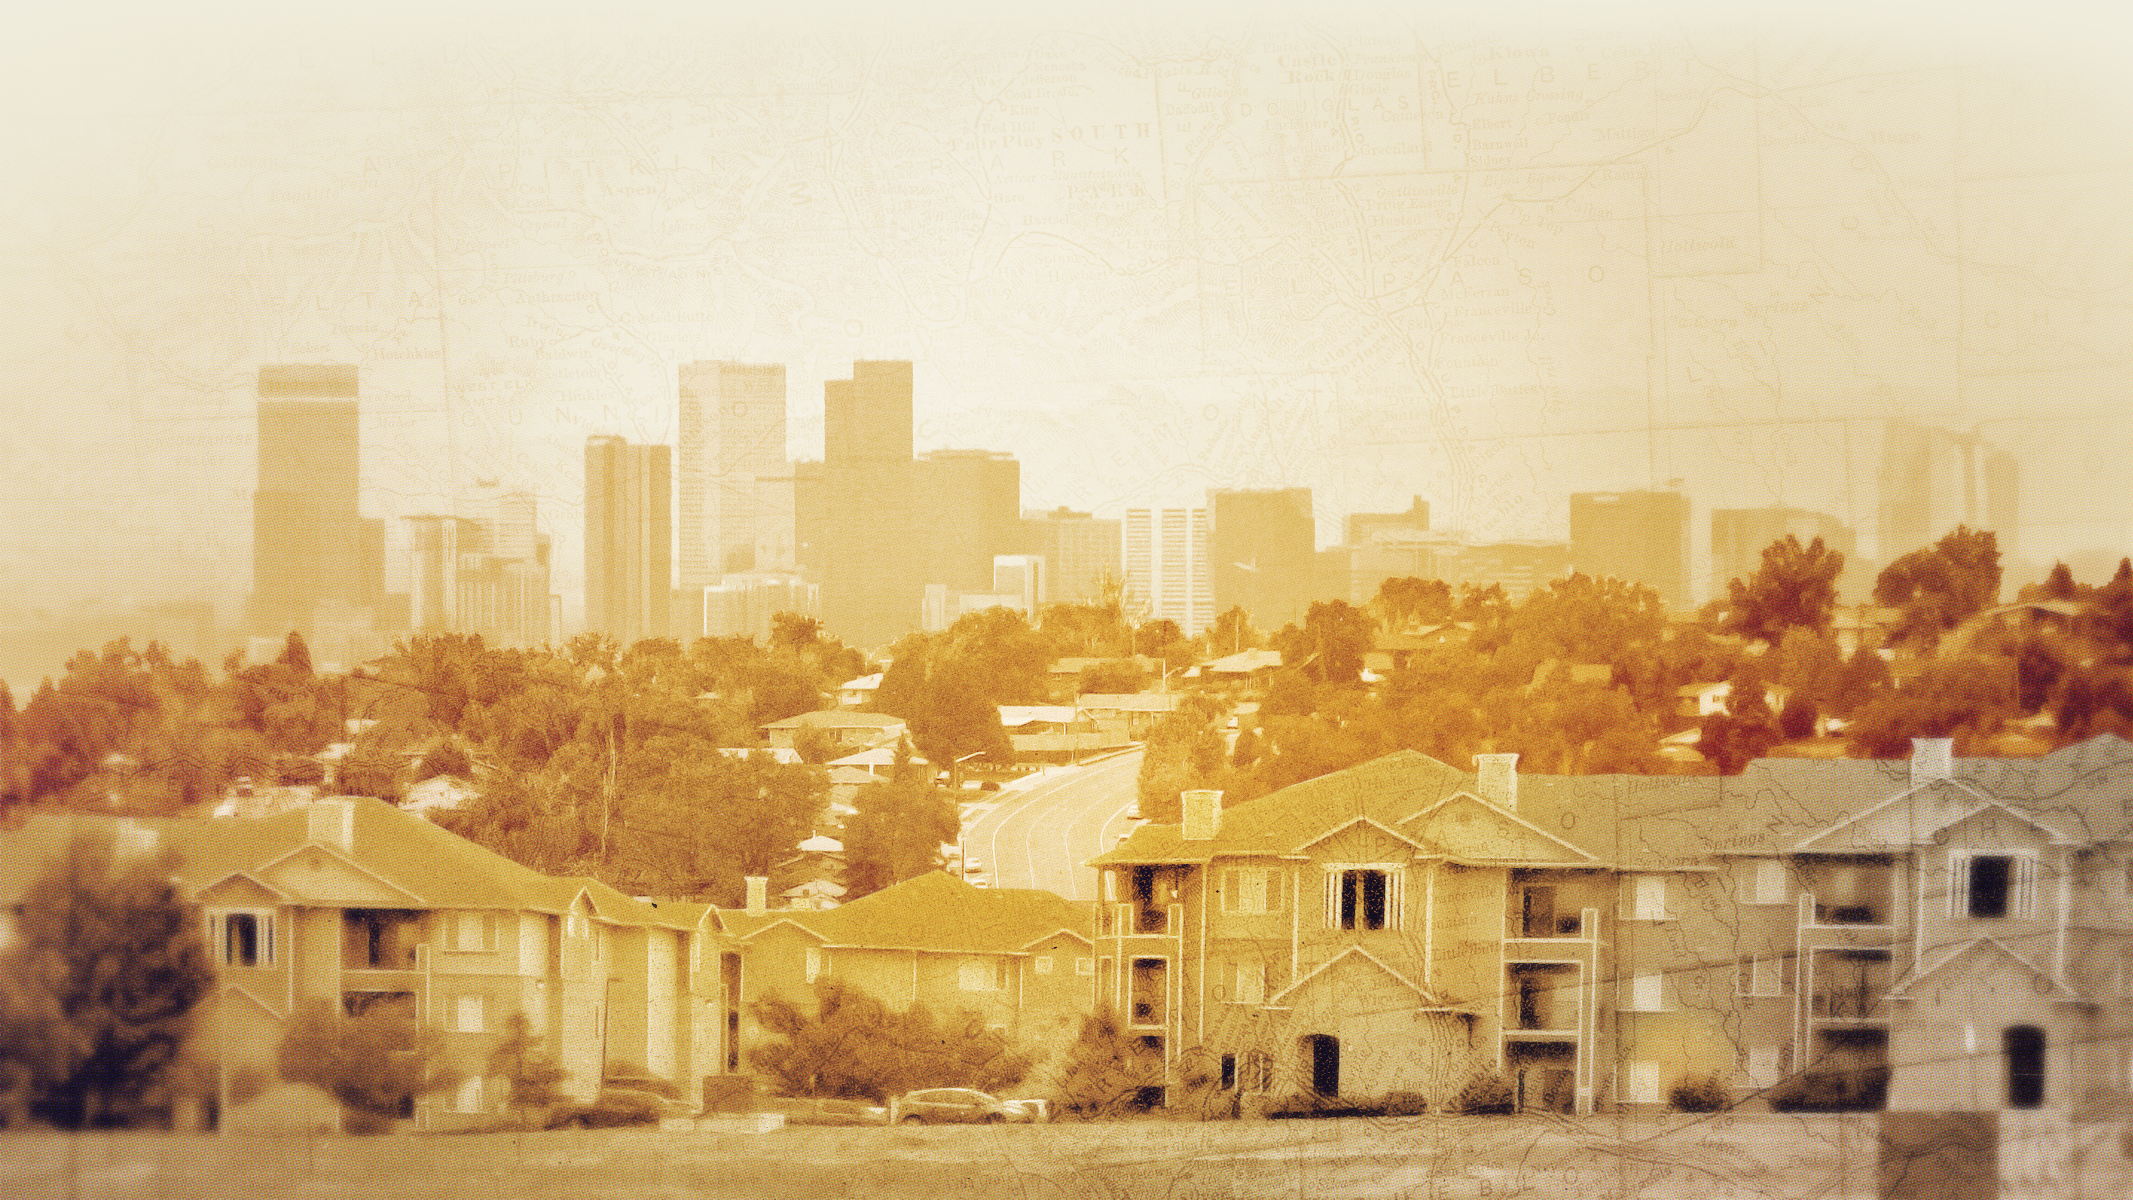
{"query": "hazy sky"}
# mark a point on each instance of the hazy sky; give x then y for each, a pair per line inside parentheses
(1378, 252)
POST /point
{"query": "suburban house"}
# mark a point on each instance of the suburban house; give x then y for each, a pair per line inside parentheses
(845, 729)
(1020, 958)
(1943, 933)
(355, 902)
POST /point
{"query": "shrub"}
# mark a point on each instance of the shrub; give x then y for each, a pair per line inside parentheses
(443, 760)
(296, 772)
(1486, 1092)
(375, 1063)
(1698, 1094)
(1404, 1104)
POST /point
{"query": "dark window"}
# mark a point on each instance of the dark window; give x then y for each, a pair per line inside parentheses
(1229, 1071)
(1325, 1051)
(1540, 912)
(2024, 1046)
(241, 940)
(1362, 899)
(1990, 875)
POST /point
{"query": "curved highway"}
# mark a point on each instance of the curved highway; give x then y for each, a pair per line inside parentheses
(1040, 836)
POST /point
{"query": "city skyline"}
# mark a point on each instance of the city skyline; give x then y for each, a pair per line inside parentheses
(1725, 257)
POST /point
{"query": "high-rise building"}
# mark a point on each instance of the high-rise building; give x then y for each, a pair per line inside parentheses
(854, 511)
(732, 436)
(1165, 561)
(1933, 480)
(969, 505)
(1020, 576)
(1080, 552)
(1641, 537)
(309, 541)
(435, 545)
(1360, 528)
(1263, 550)
(1740, 535)
(629, 533)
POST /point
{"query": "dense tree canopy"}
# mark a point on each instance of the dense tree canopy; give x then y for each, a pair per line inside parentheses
(1794, 588)
(1934, 589)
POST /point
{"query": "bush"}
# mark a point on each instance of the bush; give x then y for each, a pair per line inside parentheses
(297, 772)
(1699, 1094)
(1404, 1104)
(1486, 1093)
(375, 1063)
(444, 760)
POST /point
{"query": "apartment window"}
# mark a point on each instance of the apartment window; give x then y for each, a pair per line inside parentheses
(247, 939)
(1251, 890)
(473, 931)
(1647, 993)
(982, 974)
(1646, 899)
(470, 1013)
(1043, 964)
(468, 1097)
(1769, 881)
(1362, 898)
(1248, 982)
(1761, 975)
(1992, 886)
(1085, 966)
(1229, 1071)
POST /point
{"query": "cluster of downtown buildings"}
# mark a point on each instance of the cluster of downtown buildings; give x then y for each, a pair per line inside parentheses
(879, 541)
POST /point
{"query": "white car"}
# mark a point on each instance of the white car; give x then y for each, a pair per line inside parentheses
(973, 866)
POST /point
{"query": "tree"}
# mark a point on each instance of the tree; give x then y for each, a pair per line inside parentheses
(852, 1045)
(532, 1075)
(1161, 638)
(1115, 677)
(97, 993)
(1412, 600)
(295, 654)
(1934, 589)
(1964, 698)
(897, 833)
(1330, 646)
(1794, 588)
(1232, 632)
(1105, 1070)
(792, 631)
(376, 1062)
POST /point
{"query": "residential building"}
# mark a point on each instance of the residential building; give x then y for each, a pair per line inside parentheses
(1640, 537)
(1165, 567)
(844, 728)
(732, 419)
(1262, 551)
(356, 903)
(1081, 553)
(1939, 934)
(629, 539)
(310, 542)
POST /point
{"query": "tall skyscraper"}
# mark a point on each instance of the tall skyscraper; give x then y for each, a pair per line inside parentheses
(1642, 537)
(629, 532)
(1933, 480)
(732, 437)
(309, 541)
(483, 572)
(1360, 528)
(1264, 553)
(969, 505)
(1080, 552)
(1165, 564)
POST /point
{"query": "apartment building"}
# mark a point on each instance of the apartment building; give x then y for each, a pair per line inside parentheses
(1942, 933)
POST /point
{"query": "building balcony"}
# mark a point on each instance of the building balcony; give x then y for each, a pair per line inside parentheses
(1573, 936)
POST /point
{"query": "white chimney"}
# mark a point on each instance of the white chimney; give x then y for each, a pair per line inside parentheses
(1203, 813)
(1931, 759)
(758, 895)
(332, 823)
(1496, 779)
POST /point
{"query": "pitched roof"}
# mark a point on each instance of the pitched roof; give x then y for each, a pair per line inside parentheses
(938, 912)
(838, 718)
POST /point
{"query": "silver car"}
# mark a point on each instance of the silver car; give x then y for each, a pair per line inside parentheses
(953, 1106)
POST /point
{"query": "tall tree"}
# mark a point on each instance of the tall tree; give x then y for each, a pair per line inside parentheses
(376, 1062)
(1330, 646)
(897, 832)
(1794, 588)
(1232, 632)
(1934, 589)
(853, 1045)
(97, 993)
(1412, 600)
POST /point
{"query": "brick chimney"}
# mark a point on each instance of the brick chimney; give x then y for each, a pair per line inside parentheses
(1496, 779)
(1203, 813)
(1931, 759)
(332, 823)
(758, 895)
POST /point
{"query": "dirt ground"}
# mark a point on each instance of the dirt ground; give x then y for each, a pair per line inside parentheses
(1441, 1158)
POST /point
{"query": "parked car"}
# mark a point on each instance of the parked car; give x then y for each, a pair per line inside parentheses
(1037, 1110)
(828, 1111)
(1133, 811)
(954, 1106)
(619, 1105)
(973, 866)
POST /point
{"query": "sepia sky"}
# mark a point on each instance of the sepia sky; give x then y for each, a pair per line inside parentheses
(1377, 251)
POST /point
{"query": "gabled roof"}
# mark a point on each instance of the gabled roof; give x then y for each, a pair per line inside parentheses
(1429, 999)
(1571, 852)
(940, 913)
(1976, 946)
(838, 718)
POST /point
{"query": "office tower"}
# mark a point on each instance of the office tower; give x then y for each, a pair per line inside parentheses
(1740, 535)
(1641, 537)
(854, 512)
(1360, 528)
(732, 435)
(309, 542)
(435, 545)
(1933, 480)
(1165, 560)
(629, 535)
(1263, 550)
(1022, 577)
(742, 605)
(969, 505)
(1080, 553)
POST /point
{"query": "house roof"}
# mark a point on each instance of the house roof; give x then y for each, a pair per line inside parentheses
(938, 912)
(1160, 702)
(838, 718)
(1015, 715)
